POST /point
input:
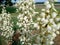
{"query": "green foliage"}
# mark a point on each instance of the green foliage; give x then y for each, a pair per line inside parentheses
(2, 41)
(14, 20)
(0, 9)
(11, 9)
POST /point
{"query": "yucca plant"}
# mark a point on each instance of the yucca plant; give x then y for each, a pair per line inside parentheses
(6, 25)
(44, 22)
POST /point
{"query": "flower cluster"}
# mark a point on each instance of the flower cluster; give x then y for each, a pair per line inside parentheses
(37, 27)
(49, 26)
(25, 20)
(5, 24)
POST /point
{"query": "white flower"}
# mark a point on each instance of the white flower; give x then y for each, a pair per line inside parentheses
(34, 6)
(54, 26)
(20, 7)
(48, 16)
(23, 8)
(25, 17)
(28, 39)
(35, 12)
(25, 12)
(44, 21)
(57, 32)
(47, 11)
(57, 19)
(12, 32)
(22, 42)
(38, 18)
(5, 23)
(25, 25)
(23, 22)
(43, 25)
(21, 39)
(54, 30)
(30, 3)
(49, 28)
(31, 8)
(27, 21)
(27, 6)
(38, 27)
(54, 35)
(38, 37)
(8, 15)
(29, 43)
(47, 2)
(51, 42)
(54, 14)
(2, 34)
(24, 39)
(19, 16)
(42, 14)
(58, 26)
(48, 6)
(43, 9)
(7, 36)
(20, 25)
(35, 25)
(51, 20)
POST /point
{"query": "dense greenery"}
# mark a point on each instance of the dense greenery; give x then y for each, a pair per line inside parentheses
(9, 9)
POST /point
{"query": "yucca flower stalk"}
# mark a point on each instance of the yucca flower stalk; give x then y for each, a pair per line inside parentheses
(26, 9)
(37, 29)
(47, 22)
(5, 24)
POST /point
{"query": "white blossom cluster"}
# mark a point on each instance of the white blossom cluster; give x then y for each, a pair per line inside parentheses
(26, 10)
(35, 28)
(44, 23)
(48, 26)
(5, 24)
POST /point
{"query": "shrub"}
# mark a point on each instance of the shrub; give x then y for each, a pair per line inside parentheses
(11, 9)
